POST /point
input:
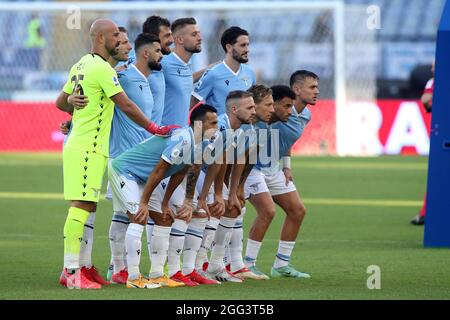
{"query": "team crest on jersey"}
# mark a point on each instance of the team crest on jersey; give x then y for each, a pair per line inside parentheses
(246, 80)
(116, 81)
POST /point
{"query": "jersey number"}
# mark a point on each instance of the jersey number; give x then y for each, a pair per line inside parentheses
(78, 89)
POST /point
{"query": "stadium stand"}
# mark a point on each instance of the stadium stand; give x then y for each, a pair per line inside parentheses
(406, 39)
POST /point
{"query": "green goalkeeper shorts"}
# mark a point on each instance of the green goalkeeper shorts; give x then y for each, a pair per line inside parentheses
(83, 174)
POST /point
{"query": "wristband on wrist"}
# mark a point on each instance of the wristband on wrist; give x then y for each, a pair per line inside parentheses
(287, 162)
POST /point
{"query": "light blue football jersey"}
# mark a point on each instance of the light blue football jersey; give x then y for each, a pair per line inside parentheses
(179, 87)
(138, 162)
(125, 133)
(229, 140)
(217, 82)
(288, 134)
(158, 87)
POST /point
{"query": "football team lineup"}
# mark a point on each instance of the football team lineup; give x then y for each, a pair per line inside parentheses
(202, 162)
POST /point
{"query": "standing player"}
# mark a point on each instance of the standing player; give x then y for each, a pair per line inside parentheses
(427, 101)
(87, 149)
(268, 183)
(161, 28)
(230, 75)
(125, 134)
(178, 72)
(88, 235)
(141, 169)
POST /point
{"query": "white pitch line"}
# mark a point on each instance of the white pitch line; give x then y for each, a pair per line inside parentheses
(308, 201)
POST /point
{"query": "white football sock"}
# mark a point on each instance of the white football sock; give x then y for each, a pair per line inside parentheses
(133, 244)
(176, 241)
(160, 245)
(87, 242)
(251, 253)
(236, 262)
(117, 232)
(284, 253)
(192, 242)
(208, 237)
(221, 239)
(149, 230)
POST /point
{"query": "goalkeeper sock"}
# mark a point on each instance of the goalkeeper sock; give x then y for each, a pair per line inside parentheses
(73, 233)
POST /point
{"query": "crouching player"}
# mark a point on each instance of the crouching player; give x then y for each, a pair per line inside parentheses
(136, 177)
(268, 183)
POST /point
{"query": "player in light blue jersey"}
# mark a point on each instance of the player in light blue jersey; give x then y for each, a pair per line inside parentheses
(126, 134)
(137, 177)
(230, 75)
(269, 184)
(160, 27)
(178, 73)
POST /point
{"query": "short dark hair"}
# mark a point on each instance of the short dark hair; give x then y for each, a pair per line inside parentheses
(153, 23)
(301, 75)
(259, 92)
(123, 29)
(143, 39)
(281, 91)
(180, 23)
(230, 36)
(200, 111)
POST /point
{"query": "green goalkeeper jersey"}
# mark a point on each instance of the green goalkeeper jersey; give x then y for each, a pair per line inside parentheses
(94, 77)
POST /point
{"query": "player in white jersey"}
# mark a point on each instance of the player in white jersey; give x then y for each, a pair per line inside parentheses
(268, 183)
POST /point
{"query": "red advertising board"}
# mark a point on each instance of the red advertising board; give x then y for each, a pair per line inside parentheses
(401, 127)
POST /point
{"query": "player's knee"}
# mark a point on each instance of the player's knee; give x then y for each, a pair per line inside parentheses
(299, 212)
(267, 214)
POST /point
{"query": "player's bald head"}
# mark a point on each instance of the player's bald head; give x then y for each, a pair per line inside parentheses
(102, 26)
(104, 37)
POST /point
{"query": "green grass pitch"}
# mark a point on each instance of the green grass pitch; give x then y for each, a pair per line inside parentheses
(358, 212)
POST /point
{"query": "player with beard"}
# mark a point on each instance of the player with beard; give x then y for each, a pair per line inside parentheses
(125, 134)
(230, 75)
(178, 72)
(87, 149)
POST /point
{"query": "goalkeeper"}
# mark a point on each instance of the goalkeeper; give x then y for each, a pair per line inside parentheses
(86, 151)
